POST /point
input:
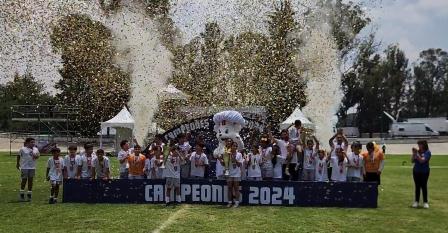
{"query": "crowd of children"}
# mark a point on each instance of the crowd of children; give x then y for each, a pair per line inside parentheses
(289, 157)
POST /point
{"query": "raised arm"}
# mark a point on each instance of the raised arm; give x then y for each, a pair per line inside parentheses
(330, 142)
(316, 142)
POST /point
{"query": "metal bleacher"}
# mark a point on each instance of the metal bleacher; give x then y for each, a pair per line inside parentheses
(50, 123)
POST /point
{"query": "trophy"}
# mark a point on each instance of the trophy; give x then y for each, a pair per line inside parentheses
(166, 153)
(226, 158)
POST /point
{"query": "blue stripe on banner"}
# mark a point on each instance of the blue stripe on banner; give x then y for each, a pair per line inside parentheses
(269, 193)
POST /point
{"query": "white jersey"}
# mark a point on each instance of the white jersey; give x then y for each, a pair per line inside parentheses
(121, 155)
(339, 171)
(26, 157)
(219, 169)
(234, 170)
(358, 162)
(71, 165)
(56, 166)
(195, 159)
(283, 145)
(321, 169)
(172, 167)
(254, 169)
(278, 174)
(86, 163)
(101, 167)
(309, 159)
(294, 135)
(266, 158)
(150, 168)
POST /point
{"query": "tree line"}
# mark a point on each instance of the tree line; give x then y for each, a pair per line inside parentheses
(248, 69)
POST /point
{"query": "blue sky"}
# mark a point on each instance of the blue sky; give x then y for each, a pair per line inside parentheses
(414, 24)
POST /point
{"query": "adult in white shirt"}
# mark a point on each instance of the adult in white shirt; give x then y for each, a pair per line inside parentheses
(234, 178)
(198, 161)
(339, 171)
(26, 164)
(71, 163)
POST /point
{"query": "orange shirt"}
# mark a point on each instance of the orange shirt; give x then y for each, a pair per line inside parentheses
(373, 164)
(136, 165)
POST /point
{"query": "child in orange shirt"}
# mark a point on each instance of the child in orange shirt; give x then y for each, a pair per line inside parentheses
(136, 164)
(374, 163)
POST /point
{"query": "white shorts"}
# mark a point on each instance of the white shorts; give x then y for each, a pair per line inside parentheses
(172, 182)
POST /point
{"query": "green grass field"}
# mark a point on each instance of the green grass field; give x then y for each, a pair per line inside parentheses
(392, 215)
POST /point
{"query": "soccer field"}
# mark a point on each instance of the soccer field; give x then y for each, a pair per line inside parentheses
(392, 215)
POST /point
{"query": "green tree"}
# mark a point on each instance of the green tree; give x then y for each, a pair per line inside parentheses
(429, 96)
(22, 90)
(282, 87)
(89, 81)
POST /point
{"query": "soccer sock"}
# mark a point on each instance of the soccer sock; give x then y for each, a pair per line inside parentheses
(178, 199)
(237, 202)
(167, 199)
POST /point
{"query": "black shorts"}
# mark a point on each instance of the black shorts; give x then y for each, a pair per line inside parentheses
(372, 177)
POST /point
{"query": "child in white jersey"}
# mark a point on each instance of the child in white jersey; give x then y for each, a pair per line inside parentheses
(150, 166)
(339, 164)
(267, 168)
(172, 174)
(85, 163)
(198, 161)
(234, 178)
(309, 159)
(101, 166)
(71, 163)
(355, 166)
(277, 162)
(253, 161)
(26, 164)
(54, 174)
(321, 166)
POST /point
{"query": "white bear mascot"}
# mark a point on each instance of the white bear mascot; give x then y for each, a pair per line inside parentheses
(228, 125)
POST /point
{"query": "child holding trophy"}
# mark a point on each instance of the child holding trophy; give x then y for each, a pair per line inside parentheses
(234, 177)
(172, 173)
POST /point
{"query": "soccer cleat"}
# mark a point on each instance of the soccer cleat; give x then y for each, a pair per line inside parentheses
(415, 205)
(236, 205)
(229, 204)
(29, 196)
(51, 201)
(22, 197)
(426, 205)
(167, 204)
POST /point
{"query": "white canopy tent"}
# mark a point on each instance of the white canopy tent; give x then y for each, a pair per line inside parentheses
(297, 115)
(123, 122)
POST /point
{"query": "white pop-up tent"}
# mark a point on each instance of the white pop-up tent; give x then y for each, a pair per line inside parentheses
(297, 115)
(123, 123)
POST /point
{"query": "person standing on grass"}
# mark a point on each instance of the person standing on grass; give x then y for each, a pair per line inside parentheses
(234, 178)
(420, 158)
(85, 164)
(355, 166)
(123, 156)
(70, 163)
(373, 163)
(55, 174)
(172, 174)
(26, 164)
(101, 166)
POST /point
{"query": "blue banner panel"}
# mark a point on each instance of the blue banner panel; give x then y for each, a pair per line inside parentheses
(269, 193)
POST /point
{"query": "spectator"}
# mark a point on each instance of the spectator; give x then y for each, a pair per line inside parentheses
(420, 158)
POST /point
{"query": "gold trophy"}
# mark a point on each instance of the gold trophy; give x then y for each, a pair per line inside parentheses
(226, 158)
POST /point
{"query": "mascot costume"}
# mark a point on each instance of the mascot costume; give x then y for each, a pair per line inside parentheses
(228, 125)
